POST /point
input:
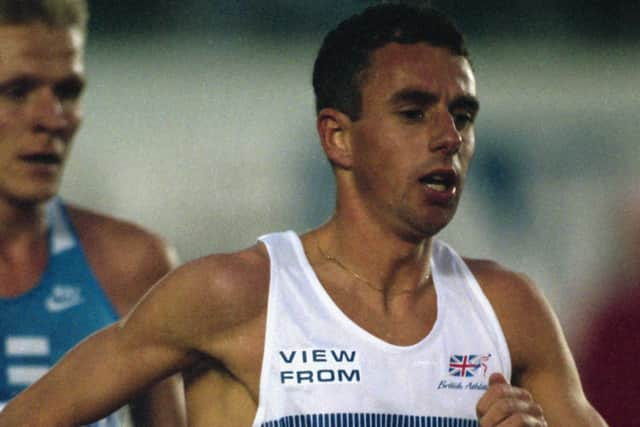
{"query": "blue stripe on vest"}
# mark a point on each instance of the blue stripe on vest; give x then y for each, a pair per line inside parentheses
(368, 420)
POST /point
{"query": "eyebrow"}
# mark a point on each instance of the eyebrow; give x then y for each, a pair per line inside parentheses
(467, 102)
(72, 80)
(19, 79)
(414, 96)
(425, 99)
(32, 80)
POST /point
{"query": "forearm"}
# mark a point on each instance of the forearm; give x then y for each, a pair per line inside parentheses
(578, 413)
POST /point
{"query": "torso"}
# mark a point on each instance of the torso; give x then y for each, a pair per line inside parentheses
(96, 266)
(229, 390)
(219, 396)
(222, 388)
(65, 305)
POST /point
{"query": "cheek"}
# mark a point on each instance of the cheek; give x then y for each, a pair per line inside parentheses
(73, 111)
(74, 118)
(376, 161)
(76, 121)
(382, 154)
(467, 151)
(8, 116)
(371, 164)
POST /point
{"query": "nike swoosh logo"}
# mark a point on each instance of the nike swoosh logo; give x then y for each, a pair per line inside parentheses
(63, 298)
(56, 306)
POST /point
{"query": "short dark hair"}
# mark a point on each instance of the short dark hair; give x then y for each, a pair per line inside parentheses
(340, 67)
(56, 13)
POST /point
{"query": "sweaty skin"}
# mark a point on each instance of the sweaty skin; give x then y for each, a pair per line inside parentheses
(207, 318)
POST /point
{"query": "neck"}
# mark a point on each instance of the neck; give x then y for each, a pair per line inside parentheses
(21, 221)
(388, 262)
(23, 246)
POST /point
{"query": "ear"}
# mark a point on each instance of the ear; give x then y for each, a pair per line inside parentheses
(334, 129)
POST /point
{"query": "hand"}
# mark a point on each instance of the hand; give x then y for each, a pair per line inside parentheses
(504, 405)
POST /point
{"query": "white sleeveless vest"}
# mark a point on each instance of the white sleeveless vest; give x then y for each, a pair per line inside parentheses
(321, 369)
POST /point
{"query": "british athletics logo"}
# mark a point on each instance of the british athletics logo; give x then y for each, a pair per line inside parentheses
(468, 365)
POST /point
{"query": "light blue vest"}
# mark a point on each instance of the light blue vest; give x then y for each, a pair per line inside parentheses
(66, 305)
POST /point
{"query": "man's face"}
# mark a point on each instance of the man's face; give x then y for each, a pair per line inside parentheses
(41, 80)
(414, 140)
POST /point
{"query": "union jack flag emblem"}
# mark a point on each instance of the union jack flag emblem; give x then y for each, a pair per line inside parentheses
(468, 365)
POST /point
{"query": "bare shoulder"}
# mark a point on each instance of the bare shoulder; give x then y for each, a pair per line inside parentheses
(502, 285)
(239, 279)
(525, 315)
(126, 258)
(114, 234)
(214, 295)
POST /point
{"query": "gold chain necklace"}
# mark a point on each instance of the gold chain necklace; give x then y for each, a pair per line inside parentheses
(332, 258)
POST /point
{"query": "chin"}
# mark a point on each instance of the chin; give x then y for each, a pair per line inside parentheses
(419, 231)
(436, 223)
(432, 229)
(35, 196)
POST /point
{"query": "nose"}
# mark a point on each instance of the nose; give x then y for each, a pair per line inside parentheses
(446, 136)
(48, 112)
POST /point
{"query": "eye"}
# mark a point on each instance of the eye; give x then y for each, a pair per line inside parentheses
(462, 120)
(68, 90)
(413, 115)
(17, 90)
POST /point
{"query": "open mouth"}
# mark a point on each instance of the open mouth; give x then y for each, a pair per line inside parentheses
(441, 181)
(44, 159)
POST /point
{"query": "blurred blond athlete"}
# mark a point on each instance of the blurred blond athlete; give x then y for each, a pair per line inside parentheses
(65, 271)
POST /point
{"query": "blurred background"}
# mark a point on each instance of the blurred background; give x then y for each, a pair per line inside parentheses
(200, 125)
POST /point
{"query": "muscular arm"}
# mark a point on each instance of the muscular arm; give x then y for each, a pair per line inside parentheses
(128, 260)
(542, 362)
(93, 380)
(197, 311)
(104, 371)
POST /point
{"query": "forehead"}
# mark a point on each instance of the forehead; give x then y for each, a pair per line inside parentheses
(418, 66)
(40, 50)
